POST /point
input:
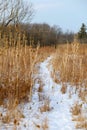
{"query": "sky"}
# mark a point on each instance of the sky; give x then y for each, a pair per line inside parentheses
(67, 14)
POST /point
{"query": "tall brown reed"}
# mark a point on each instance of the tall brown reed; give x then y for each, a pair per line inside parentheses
(17, 61)
(70, 61)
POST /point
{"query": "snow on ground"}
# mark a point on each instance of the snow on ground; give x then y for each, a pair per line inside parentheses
(58, 116)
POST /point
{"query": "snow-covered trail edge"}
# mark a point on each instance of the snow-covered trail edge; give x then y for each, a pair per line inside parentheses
(59, 117)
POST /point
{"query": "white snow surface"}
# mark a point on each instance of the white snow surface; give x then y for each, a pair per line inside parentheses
(59, 117)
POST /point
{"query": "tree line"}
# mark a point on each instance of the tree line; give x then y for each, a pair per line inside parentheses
(15, 17)
(42, 34)
(46, 35)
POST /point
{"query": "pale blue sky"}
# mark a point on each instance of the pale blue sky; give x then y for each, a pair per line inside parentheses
(68, 14)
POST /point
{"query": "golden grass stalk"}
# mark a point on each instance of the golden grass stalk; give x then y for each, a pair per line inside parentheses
(17, 61)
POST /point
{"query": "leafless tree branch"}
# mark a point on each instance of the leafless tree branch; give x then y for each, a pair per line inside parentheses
(15, 11)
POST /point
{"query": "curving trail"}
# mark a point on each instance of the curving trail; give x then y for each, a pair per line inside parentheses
(49, 109)
(59, 116)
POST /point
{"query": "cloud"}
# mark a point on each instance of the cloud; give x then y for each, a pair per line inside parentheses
(48, 5)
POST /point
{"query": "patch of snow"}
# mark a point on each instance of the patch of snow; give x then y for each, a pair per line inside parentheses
(59, 116)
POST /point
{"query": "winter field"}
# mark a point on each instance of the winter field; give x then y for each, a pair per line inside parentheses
(43, 88)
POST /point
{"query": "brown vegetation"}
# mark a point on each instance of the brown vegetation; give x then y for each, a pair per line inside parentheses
(70, 64)
(17, 65)
(70, 61)
(76, 110)
(64, 89)
(16, 68)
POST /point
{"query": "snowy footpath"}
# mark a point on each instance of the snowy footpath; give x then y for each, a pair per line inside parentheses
(49, 109)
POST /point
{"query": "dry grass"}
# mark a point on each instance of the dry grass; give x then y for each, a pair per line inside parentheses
(43, 126)
(70, 61)
(80, 118)
(70, 66)
(82, 125)
(46, 106)
(16, 69)
(17, 66)
(17, 62)
(64, 88)
(81, 122)
(76, 110)
(44, 98)
(13, 114)
(45, 52)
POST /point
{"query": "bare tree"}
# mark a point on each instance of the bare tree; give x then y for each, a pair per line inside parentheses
(15, 11)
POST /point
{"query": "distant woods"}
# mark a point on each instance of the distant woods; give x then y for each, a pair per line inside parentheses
(42, 34)
(46, 35)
